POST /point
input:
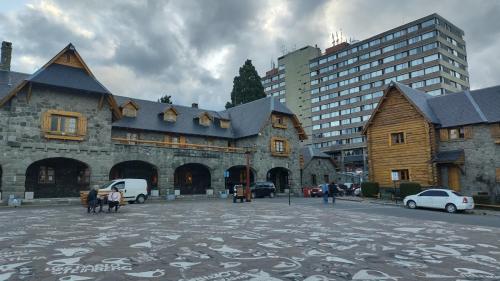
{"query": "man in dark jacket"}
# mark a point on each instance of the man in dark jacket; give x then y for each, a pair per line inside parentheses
(92, 200)
(333, 190)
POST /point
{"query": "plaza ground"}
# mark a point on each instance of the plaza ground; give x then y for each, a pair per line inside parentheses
(263, 240)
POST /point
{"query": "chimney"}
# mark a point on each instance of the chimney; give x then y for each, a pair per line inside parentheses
(194, 105)
(6, 56)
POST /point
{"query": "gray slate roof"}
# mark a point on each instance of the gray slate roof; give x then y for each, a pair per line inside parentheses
(246, 119)
(68, 77)
(456, 109)
(309, 153)
(9, 80)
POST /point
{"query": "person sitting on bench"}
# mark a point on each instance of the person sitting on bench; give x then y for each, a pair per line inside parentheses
(114, 199)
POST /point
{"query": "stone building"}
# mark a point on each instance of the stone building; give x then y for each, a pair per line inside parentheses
(450, 140)
(62, 131)
(317, 167)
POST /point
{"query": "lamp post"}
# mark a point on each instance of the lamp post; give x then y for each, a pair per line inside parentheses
(248, 192)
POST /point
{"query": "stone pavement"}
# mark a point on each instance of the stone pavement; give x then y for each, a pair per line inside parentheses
(219, 240)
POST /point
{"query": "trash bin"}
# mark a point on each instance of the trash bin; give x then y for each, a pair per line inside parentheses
(14, 202)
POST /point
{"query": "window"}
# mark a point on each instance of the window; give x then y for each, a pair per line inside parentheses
(457, 133)
(403, 174)
(46, 175)
(83, 176)
(313, 179)
(279, 146)
(497, 174)
(397, 138)
(64, 125)
(279, 121)
(433, 81)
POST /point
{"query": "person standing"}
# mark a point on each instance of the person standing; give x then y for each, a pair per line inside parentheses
(114, 199)
(92, 200)
(324, 190)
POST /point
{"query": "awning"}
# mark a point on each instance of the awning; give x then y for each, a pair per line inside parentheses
(450, 157)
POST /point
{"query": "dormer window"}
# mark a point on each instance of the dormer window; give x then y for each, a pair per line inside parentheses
(129, 109)
(205, 119)
(225, 124)
(279, 121)
(170, 115)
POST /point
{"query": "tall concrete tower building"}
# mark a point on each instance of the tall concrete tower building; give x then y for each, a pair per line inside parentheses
(290, 82)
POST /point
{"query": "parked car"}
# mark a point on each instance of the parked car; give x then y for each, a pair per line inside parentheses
(263, 189)
(441, 198)
(316, 191)
(134, 190)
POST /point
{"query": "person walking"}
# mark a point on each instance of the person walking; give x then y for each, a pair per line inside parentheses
(114, 199)
(324, 190)
(92, 200)
(333, 191)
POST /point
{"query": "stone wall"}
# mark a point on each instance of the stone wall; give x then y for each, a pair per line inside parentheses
(22, 143)
(482, 157)
(319, 167)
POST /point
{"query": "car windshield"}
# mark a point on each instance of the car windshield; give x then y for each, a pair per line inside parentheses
(106, 184)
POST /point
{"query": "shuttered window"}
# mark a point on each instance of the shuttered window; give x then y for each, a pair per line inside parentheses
(458, 133)
(65, 125)
(498, 174)
(279, 146)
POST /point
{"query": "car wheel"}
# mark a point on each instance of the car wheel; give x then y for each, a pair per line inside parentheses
(254, 195)
(271, 195)
(451, 208)
(411, 204)
(141, 199)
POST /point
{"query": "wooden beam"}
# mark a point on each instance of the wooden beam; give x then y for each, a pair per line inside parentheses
(184, 145)
(101, 102)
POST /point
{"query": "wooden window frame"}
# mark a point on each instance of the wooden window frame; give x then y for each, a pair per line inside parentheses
(399, 170)
(286, 147)
(279, 121)
(80, 126)
(391, 140)
(497, 174)
(445, 133)
(225, 124)
(495, 132)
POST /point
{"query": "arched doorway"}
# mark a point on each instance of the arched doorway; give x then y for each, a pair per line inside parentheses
(57, 177)
(192, 178)
(237, 175)
(136, 170)
(280, 177)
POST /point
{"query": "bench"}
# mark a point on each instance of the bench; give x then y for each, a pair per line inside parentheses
(101, 193)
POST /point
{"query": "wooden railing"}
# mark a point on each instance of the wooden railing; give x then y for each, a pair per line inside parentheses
(185, 145)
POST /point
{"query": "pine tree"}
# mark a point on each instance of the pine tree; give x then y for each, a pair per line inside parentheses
(247, 86)
(165, 99)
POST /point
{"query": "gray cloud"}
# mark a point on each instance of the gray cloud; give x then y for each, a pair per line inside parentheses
(193, 49)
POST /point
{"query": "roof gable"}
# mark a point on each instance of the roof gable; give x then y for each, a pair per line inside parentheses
(417, 99)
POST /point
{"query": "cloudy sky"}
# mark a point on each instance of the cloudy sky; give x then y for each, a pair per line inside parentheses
(193, 49)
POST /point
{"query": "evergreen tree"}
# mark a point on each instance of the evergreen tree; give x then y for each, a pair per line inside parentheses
(247, 86)
(165, 99)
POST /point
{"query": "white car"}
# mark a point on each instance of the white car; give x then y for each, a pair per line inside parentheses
(446, 199)
(134, 190)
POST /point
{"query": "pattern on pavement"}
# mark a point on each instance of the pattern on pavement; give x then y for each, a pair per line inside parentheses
(218, 240)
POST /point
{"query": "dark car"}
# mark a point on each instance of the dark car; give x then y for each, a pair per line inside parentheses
(263, 189)
(316, 191)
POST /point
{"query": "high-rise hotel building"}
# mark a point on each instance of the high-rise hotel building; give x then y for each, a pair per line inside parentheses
(347, 81)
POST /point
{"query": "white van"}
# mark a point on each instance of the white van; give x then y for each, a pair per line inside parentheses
(134, 190)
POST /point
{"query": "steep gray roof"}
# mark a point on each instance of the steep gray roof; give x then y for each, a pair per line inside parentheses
(246, 119)
(68, 77)
(419, 99)
(456, 109)
(309, 153)
(9, 80)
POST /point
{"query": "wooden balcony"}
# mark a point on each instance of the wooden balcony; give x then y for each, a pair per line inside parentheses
(203, 147)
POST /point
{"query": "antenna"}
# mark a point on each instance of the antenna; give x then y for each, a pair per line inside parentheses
(333, 39)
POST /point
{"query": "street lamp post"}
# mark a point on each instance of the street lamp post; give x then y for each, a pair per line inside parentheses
(248, 192)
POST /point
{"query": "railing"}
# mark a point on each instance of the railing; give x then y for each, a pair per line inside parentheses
(185, 145)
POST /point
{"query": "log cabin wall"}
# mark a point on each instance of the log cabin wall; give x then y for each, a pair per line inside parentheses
(397, 115)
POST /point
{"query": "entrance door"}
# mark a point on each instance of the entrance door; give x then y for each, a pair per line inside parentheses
(454, 178)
